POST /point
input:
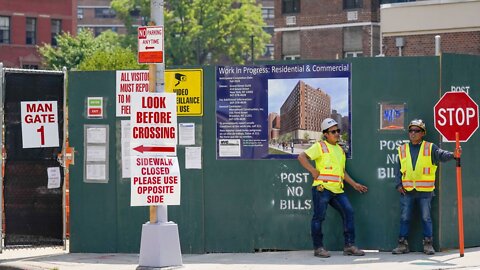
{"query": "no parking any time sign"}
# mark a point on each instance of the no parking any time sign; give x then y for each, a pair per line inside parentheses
(39, 124)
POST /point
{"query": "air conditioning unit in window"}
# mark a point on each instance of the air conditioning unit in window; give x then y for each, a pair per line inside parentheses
(290, 20)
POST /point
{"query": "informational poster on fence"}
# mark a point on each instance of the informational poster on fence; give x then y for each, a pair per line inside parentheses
(275, 111)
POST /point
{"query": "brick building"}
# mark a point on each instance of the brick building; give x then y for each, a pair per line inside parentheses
(457, 22)
(268, 15)
(26, 24)
(273, 126)
(98, 16)
(326, 29)
(303, 112)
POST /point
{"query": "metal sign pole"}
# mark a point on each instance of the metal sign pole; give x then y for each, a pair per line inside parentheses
(160, 243)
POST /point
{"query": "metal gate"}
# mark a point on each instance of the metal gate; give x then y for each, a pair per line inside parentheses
(33, 178)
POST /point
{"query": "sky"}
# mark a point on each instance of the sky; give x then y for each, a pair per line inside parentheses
(336, 88)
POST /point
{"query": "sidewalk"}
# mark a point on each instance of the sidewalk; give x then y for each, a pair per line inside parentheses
(58, 259)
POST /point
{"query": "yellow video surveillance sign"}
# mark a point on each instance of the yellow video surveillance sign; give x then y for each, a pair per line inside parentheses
(188, 85)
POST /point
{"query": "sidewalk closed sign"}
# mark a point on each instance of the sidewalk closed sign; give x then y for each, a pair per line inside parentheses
(155, 181)
(155, 174)
(150, 44)
(39, 124)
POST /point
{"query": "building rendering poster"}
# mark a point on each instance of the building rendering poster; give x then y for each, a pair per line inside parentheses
(275, 111)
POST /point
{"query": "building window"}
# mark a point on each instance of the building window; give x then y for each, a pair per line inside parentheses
(353, 54)
(291, 57)
(27, 66)
(104, 13)
(290, 6)
(31, 31)
(4, 30)
(268, 13)
(269, 51)
(98, 30)
(351, 4)
(269, 30)
(56, 29)
(80, 13)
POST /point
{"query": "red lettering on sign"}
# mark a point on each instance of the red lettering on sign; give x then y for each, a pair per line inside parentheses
(33, 107)
(39, 118)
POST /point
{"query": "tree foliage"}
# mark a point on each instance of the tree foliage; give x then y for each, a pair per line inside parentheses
(205, 31)
(85, 52)
(117, 58)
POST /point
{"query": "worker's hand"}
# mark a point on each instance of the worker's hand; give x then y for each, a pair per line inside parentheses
(315, 174)
(360, 188)
(401, 190)
(458, 152)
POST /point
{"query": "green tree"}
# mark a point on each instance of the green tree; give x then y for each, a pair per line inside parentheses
(71, 51)
(205, 31)
(117, 58)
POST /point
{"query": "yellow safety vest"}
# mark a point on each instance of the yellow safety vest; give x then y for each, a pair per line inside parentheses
(423, 177)
(331, 169)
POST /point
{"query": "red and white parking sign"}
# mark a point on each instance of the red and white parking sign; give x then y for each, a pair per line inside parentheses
(155, 181)
(150, 44)
(39, 124)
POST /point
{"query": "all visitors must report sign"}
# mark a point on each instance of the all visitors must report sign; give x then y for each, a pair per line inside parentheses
(155, 181)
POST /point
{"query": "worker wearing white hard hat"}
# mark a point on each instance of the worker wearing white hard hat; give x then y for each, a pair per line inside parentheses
(327, 188)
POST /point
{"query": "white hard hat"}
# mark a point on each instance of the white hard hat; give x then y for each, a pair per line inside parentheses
(328, 123)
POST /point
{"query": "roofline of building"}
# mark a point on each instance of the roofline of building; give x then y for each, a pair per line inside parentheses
(424, 3)
(326, 26)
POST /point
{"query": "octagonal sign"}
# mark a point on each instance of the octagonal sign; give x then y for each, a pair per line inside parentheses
(456, 112)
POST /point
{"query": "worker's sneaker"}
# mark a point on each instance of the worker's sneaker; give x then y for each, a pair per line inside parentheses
(427, 246)
(352, 250)
(402, 247)
(321, 252)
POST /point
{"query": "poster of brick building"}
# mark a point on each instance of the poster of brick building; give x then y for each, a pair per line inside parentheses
(275, 111)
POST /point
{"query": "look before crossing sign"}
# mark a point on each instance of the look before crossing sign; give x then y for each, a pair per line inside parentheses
(155, 172)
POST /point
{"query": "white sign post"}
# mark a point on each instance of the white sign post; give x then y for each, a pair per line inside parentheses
(39, 124)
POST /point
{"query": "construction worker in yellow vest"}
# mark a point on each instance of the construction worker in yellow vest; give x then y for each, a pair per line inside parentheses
(415, 181)
(328, 174)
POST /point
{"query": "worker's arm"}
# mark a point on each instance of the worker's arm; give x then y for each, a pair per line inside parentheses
(358, 187)
(304, 161)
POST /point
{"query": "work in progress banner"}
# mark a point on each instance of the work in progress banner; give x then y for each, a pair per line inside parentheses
(275, 111)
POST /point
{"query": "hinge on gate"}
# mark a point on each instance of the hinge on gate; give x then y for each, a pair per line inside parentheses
(67, 157)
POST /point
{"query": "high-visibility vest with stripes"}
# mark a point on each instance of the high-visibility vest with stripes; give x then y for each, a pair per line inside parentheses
(331, 169)
(423, 177)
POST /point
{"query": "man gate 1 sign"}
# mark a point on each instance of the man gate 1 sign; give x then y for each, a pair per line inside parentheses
(39, 124)
(456, 112)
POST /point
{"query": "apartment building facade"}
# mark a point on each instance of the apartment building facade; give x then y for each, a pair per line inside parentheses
(456, 22)
(98, 16)
(26, 24)
(326, 29)
(303, 111)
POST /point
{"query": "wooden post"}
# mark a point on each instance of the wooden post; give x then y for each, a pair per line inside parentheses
(459, 196)
(152, 80)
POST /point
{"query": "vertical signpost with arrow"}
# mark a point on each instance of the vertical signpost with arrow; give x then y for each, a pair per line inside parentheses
(456, 118)
(155, 172)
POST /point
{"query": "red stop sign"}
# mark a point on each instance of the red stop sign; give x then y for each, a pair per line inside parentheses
(456, 112)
